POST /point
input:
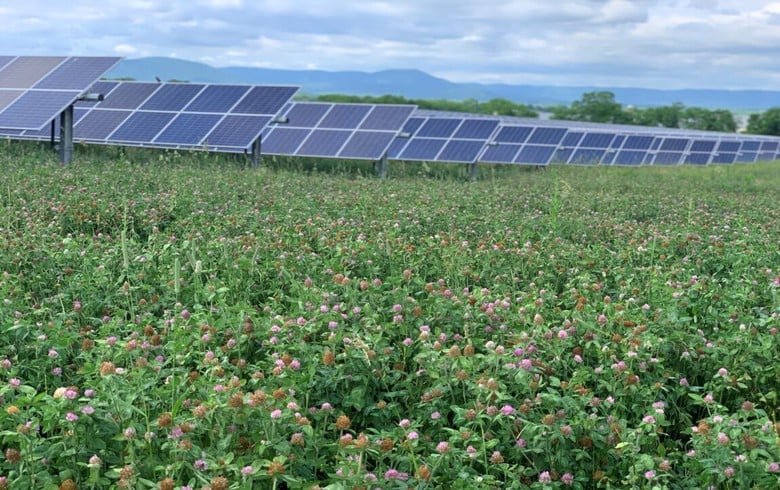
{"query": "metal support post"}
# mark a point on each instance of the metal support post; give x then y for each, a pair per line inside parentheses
(381, 167)
(473, 172)
(66, 135)
(256, 158)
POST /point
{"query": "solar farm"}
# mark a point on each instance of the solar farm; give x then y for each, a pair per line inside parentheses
(176, 318)
(61, 100)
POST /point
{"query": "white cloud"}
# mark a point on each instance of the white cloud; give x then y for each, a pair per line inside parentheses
(657, 43)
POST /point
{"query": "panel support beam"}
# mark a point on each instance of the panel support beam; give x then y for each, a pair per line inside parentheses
(473, 171)
(66, 135)
(381, 167)
(256, 158)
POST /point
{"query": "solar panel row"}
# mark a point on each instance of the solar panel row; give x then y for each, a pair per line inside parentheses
(35, 89)
(197, 116)
(355, 131)
(431, 136)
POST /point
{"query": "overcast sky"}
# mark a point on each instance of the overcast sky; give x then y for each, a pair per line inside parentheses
(611, 43)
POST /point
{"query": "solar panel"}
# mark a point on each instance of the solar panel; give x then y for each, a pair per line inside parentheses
(180, 115)
(35, 89)
(329, 130)
(457, 138)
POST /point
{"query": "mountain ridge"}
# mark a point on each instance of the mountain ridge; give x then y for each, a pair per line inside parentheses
(417, 84)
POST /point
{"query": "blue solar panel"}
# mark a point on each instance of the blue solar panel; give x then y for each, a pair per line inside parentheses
(698, 158)
(438, 128)
(4, 60)
(98, 124)
(396, 147)
(724, 158)
(424, 149)
(141, 127)
(750, 146)
(25, 71)
(34, 109)
(635, 142)
(188, 129)
(476, 129)
(500, 153)
(535, 154)
(770, 145)
(674, 144)
(465, 151)
(264, 100)
(729, 146)
(129, 95)
(513, 134)
(667, 158)
(387, 117)
(747, 157)
(171, 97)
(609, 157)
(217, 98)
(703, 146)
(413, 124)
(587, 156)
(324, 142)
(572, 138)
(237, 131)
(547, 136)
(346, 116)
(306, 115)
(562, 155)
(618, 141)
(597, 140)
(630, 157)
(102, 87)
(369, 145)
(283, 141)
(77, 73)
(8, 96)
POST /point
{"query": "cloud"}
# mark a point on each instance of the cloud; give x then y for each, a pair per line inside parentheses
(669, 44)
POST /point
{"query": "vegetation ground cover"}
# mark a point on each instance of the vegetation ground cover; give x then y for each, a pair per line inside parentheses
(185, 323)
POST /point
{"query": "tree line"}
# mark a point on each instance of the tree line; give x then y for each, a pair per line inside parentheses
(597, 107)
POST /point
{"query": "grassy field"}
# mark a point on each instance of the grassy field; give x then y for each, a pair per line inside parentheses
(177, 321)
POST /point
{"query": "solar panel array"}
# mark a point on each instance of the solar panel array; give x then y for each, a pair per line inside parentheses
(352, 131)
(446, 138)
(217, 117)
(35, 89)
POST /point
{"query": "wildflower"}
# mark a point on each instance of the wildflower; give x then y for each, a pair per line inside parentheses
(567, 479)
(649, 474)
(729, 472)
(412, 435)
(723, 439)
(343, 422)
(723, 372)
(219, 483)
(507, 410)
(544, 477)
(443, 447)
(404, 424)
(95, 461)
(649, 420)
(87, 410)
(773, 467)
(496, 457)
(247, 470)
(201, 464)
(14, 383)
(276, 414)
(435, 416)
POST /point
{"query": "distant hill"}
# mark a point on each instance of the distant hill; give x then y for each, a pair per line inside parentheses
(420, 85)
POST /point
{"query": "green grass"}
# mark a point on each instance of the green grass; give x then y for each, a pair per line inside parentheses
(172, 320)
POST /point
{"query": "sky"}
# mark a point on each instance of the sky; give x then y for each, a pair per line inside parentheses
(665, 44)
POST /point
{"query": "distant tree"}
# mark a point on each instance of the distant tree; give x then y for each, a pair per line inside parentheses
(595, 107)
(767, 122)
(708, 120)
(505, 107)
(664, 116)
